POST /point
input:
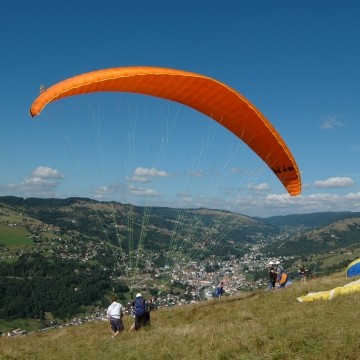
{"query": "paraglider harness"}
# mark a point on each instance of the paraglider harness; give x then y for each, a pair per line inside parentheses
(282, 276)
(283, 279)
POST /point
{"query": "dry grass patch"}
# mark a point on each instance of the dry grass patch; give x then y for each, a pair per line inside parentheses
(257, 325)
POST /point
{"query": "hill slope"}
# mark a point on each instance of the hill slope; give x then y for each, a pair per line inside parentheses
(313, 220)
(259, 325)
(57, 255)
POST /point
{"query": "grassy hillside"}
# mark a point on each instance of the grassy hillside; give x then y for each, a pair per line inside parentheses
(257, 325)
(13, 233)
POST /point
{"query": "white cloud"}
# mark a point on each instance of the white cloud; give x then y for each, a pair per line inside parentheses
(42, 182)
(145, 175)
(256, 201)
(107, 191)
(139, 191)
(334, 182)
(39, 182)
(330, 122)
(284, 198)
(46, 172)
(284, 204)
(353, 197)
(42, 178)
(258, 187)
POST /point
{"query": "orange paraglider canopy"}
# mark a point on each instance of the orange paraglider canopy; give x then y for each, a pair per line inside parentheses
(209, 96)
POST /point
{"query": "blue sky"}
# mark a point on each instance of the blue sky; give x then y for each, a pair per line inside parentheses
(297, 62)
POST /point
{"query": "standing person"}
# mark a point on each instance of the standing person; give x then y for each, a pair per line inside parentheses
(219, 290)
(279, 270)
(139, 310)
(115, 313)
(302, 273)
(149, 305)
(272, 276)
(281, 275)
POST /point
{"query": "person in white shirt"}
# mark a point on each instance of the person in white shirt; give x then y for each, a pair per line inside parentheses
(115, 314)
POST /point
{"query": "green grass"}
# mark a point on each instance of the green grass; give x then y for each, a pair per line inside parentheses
(256, 325)
(25, 324)
(14, 236)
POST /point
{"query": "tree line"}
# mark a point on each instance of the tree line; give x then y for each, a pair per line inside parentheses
(34, 285)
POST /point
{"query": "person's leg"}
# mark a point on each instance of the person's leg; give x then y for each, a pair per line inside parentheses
(137, 322)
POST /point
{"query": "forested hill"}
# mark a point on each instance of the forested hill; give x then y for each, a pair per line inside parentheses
(55, 253)
(309, 220)
(155, 228)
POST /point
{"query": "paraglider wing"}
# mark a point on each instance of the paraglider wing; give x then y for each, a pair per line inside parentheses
(350, 288)
(209, 96)
(353, 268)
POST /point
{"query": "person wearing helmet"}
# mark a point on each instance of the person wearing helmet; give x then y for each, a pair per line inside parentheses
(281, 277)
(279, 269)
(139, 308)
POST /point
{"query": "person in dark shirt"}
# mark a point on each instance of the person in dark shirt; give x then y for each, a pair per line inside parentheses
(272, 276)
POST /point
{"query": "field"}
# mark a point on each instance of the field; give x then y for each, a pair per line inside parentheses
(256, 325)
(13, 233)
(14, 236)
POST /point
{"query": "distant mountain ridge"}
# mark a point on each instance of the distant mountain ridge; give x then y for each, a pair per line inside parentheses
(291, 234)
(154, 227)
(316, 219)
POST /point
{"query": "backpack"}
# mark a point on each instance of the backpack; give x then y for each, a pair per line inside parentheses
(283, 279)
(139, 306)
